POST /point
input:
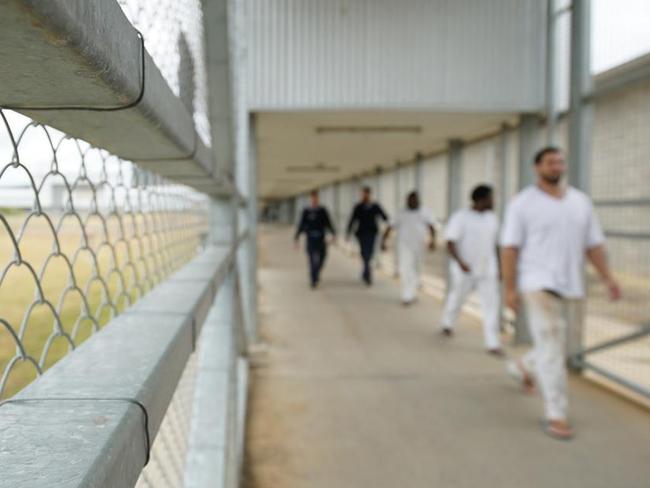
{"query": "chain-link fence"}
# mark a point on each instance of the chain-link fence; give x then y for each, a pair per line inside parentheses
(619, 171)
(174, 37)
(83, 234)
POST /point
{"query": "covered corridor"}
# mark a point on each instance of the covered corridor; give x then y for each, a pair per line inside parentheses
(349, 389)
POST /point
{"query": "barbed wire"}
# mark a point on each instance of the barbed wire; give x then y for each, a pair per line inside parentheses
(174, 37)
(83, 235)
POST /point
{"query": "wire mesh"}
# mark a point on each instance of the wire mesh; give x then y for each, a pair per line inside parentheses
(166, 466)
(619, 173)
(174, 37)
(83, 234)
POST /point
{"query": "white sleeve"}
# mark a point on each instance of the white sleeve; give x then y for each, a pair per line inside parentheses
(514, 229)
(454, 228)
(395, 221)
(428, 217)
(595, 235)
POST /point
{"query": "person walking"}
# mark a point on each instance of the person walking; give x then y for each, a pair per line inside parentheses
(315, 223)
(549, 228)
(363, 222)
(412, 226)
(472, 236)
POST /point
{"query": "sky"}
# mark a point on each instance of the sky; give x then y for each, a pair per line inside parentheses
(620, 32)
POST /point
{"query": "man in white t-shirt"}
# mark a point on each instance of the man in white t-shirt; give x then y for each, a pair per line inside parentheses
(414, 227)
(548, 231)
(471, 236)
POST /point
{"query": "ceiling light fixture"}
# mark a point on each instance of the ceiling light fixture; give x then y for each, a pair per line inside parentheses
(369, 129)
(316, 168)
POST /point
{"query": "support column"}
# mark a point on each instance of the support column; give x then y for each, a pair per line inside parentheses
(503, 170)
(454, 175)
(529, 141)
(398, 208)
(247, 254)
(378, 185)
(229, 131)
(336, 210)
(397, 189)
(419, 173)
(581, 107)
(551, 72)
(529, 136)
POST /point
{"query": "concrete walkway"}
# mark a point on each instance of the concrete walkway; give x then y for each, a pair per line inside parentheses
(350, 390)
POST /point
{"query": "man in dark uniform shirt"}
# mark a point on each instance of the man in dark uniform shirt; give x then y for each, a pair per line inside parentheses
(315, 222)
(364, 222)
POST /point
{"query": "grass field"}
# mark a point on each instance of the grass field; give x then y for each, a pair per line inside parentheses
(80, 312)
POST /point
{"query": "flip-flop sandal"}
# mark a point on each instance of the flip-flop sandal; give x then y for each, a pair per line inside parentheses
(556, 434)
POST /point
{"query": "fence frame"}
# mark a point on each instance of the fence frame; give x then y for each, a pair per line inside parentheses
(114, 408)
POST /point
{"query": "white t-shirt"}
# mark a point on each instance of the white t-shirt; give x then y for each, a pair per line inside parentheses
(552, 235)
(412, 228)
(475, 235)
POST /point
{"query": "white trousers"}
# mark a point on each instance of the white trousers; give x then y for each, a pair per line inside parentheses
(547, 317)
(460, 286)
(409, 271)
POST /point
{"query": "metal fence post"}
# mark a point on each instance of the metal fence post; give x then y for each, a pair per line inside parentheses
(581, 108)
(247, 256)
(581, 117)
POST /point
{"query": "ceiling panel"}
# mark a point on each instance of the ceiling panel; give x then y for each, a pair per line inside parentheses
(298, 151)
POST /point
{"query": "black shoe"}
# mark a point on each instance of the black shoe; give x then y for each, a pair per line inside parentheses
(447, 332)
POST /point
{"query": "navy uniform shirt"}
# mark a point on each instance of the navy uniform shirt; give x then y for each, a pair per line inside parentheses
(314, 222)
(365, 217)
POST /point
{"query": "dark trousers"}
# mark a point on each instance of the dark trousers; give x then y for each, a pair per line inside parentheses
(367, 247)
(316, 252)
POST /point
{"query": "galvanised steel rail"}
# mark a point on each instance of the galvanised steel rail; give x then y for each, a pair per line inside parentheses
(101, 86)
(91, 419)
(581, 360)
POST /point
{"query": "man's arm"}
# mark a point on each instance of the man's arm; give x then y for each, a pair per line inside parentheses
(328, 223)
(498, 253)
(300, 228)
(353, 219)
(384, 238)
(453, 252)
(509, 256)
(432, 234)
(597, 256)
(382, 214)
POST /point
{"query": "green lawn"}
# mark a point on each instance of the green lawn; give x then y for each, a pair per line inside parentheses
(18, 291)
